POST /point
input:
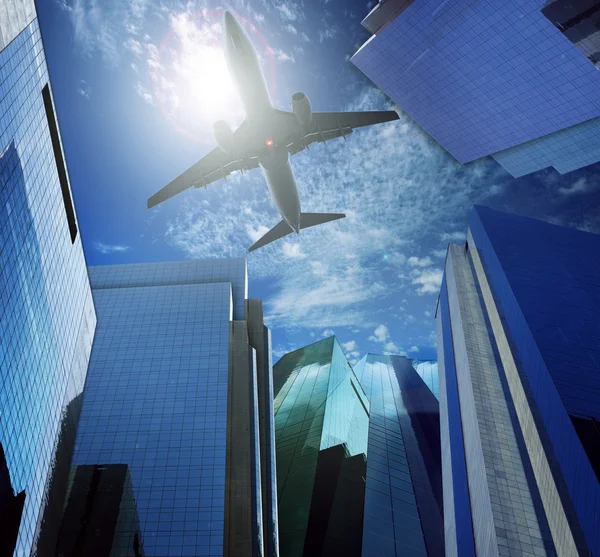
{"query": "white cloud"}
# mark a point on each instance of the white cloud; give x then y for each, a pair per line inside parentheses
(428, 281)
(110, 248)
(291, 29)
(380, 334)
(256, 234)
(427, 314)
(349, 346)
(390, 347)
(413, 349)
(420, 262)
(293, 250)
(439, 253)
(327, 333)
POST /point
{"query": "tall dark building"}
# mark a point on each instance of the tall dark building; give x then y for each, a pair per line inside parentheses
(514, 79)
(358, 456)
(519, 366)
(47, 317)
(179, 395)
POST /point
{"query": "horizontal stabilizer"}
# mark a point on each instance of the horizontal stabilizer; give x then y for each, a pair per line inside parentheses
(312, 219)
(280, 230)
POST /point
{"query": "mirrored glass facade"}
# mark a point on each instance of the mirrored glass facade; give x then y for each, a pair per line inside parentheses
(172, 395)
(517, 346)
(403, 501)
(321, 424)
(428, 371)
(358, 456)
(488, 78)
(47, 318)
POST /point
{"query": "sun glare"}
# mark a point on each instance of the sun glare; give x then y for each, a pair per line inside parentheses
(205, 86)
(191, 79)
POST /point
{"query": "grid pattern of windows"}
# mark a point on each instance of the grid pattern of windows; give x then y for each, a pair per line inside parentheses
(156, 400)
(544, 279)
(392, 521)
(199, 271)
(506, 508)
(481, 77)
(566, 150)
(47, 318)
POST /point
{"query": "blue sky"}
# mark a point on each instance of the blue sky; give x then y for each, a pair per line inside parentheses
(138, 84)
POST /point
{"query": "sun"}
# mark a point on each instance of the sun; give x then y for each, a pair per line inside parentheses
(191, 79)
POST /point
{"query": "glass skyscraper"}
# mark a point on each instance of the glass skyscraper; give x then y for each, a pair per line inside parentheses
(515, 79)
(47, 317)
(358, 456)
(177, 405)
(519, 370)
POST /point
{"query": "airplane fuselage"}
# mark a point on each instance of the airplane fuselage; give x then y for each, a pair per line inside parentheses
(246, 72)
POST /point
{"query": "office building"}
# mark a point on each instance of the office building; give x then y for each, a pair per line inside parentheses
(179, 393)
(358, 456)
(519, 371)
(47, 316)
(517, 80)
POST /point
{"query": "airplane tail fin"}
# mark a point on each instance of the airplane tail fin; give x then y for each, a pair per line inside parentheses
(282, 228)
(312, 219)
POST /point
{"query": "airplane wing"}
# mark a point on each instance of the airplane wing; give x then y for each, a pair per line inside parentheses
(211, 167)
(327, 125)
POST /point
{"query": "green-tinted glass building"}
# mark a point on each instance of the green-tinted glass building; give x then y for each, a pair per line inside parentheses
(321, 430)
(358, 456)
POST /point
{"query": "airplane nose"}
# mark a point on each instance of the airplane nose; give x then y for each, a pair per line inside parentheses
(229, 21)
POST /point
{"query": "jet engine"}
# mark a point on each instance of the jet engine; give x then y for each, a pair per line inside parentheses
(223, 136)
(301, 108)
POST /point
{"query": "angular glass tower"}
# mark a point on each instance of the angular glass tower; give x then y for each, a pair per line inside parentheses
(515, 79)
(519, 368)
(321, 424)
(47, 317)
(358, 458)
(179, 392)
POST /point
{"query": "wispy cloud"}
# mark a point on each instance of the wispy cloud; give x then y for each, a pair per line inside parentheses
(143, 92)
(290, 10)
(328, 33)
(84, 89)
(110, 248)
(581, 185)
(350, 266)
(281, 56)
(456, 236)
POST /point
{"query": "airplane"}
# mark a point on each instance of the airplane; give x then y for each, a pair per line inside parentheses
(266, 139)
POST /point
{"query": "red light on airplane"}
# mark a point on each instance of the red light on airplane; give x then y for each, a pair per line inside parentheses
(269, 142)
